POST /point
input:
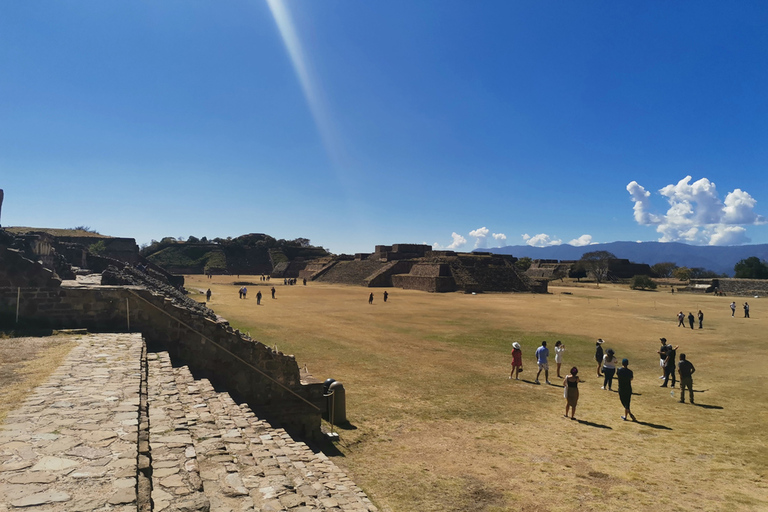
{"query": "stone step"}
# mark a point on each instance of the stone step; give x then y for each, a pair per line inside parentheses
(246, 464)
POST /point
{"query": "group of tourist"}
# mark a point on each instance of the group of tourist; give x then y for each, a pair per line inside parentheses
(370, 297)
(691, 319)
(607, 368)
(745, 306)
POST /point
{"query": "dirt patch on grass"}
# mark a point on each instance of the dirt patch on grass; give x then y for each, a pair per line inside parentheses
(26, 363)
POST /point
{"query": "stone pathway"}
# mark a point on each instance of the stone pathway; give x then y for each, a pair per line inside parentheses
(72, 445)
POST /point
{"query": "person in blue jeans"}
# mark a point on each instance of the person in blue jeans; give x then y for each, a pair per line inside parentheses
(542, 353)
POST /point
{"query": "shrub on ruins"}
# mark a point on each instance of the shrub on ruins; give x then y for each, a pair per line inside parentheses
(524, 263)
(751, 268)
(98, 248)
(642, 282)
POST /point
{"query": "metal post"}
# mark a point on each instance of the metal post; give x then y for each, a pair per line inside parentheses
(333, 409)
(128, 313)
(18, 302)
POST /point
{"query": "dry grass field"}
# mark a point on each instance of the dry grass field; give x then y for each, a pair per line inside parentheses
(438, 425)
(26, 363)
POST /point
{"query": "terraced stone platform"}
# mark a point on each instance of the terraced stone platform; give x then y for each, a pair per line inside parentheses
(74, 444)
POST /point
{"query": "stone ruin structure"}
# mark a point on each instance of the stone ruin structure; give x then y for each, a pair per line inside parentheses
(419, 267)
(728, 286)
(125, 298)
(557, 269)
(168, 437)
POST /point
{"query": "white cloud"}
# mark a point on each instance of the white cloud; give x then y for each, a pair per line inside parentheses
(540, 240)
(581, 241)
(499, 236)
(458, 241)
(696, 214)
(480, 235)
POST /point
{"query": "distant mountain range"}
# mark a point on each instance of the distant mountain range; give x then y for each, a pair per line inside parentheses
(720, 259)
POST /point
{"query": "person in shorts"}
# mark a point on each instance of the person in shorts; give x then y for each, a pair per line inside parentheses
(542, 353)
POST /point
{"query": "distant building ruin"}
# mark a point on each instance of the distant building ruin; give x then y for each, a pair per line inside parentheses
(419, 267)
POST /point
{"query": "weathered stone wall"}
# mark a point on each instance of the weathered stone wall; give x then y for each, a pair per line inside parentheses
(424, 283)
(16, 271)
(742, 287)
(183, 333)
(383, 276)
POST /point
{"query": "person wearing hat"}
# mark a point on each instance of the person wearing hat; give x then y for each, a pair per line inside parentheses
(517, 361)
(609, 368)
(599, 355)
(624, 375)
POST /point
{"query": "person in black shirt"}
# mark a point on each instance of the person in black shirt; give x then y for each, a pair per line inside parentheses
(701, 320)
(625, 375)
(691, 319)
(686, 369)
(662, 355)
(669, 365)
(599, 356)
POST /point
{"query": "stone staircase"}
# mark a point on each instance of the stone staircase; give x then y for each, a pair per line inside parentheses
(351, 272)
(208, 451)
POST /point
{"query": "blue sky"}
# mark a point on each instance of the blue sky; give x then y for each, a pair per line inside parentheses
(356, 123)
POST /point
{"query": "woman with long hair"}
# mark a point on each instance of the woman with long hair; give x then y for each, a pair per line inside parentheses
(571, 391)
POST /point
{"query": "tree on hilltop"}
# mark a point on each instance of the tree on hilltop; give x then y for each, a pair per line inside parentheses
(751, 268)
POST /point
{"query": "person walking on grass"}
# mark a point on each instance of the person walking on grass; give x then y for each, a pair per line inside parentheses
(733, 308)
(571, 391)
(258, 298)
(599, 355)
(609, 368)
(208, 295)
(517, 361)
(273, 292)
(542, 353)
(669, 365)
(686, 370)
(370, 298)
(559, 349)
(662, 355)
(624, 375)
(691, 319)
(681, 319)
(701, 320)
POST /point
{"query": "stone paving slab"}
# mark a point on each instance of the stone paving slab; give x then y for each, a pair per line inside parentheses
(72, 445)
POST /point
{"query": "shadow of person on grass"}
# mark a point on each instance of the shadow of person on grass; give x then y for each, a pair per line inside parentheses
(653, 425)
(705, 406)
(593, 424)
